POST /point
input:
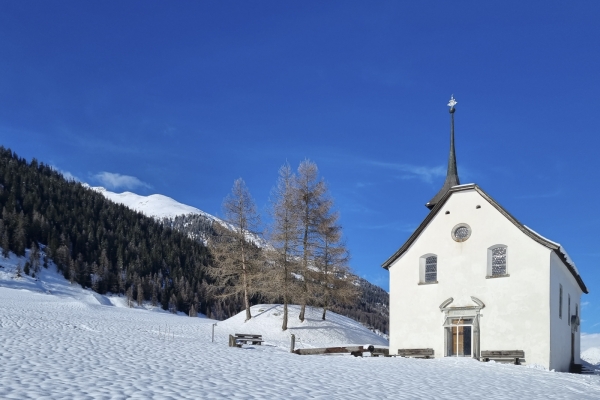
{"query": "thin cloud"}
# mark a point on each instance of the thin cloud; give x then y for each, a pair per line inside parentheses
(115, 181)
(425, 174)
(66, 174)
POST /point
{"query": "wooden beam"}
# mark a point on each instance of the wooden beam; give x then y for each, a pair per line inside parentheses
(330, 350)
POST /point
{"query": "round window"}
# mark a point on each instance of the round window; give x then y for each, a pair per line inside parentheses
(461, 232)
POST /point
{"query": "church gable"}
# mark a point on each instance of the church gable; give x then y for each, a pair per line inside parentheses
(440, 210)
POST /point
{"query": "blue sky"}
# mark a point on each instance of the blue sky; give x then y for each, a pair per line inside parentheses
(182, 98)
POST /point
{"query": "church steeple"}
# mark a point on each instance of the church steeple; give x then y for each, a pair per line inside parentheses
(452, 174)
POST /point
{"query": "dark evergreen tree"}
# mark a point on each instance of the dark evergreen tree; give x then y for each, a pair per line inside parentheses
(140, 294)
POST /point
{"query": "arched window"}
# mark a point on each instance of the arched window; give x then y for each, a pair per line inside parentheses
(428, 269)
(559, 301)
(431, 269)
(569, 309)
(497, 261)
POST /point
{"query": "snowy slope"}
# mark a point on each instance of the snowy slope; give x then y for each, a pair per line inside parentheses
(590, 348)
(60, 341)
(336, 330)
(156, 205)
(267, 318)
(591, 355)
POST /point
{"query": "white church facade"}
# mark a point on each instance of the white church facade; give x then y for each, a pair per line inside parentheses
(472, 279)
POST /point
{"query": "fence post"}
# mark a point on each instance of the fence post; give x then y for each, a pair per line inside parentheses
(232, 341)
(293, 344)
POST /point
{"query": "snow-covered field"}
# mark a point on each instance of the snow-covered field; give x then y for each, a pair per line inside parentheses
(62, 342)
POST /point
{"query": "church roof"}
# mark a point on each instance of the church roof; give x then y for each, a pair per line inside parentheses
(555, 247)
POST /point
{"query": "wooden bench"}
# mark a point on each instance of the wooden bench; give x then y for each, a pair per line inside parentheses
(416, 353)
(356, 351)
(244, 338)
(503, 355)
(378, 351)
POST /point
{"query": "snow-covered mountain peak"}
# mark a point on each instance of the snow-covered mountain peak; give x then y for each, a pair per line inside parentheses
(156, 205)
(160, 206)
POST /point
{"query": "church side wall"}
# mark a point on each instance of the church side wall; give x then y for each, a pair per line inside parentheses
(560, 336)
(516, 314)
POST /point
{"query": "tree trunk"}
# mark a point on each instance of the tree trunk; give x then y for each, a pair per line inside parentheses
(285, 313)
(304, 267)
(324, 311)
(246, 300)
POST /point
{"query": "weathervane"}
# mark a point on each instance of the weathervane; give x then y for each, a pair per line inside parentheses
(452, 103)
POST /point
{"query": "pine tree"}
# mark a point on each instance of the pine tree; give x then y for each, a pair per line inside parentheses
(5, 245)
(140, 294)
(130, 297)
(73, 271)
(154, 300)
(121, 275)
(193, 312)
(34, 258)
(62, 256)
(20, 235)
(173, 304)
(96, 276)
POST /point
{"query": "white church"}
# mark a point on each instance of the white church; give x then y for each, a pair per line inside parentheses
(473, 281)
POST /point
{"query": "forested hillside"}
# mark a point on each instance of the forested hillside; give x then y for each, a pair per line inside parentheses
(100, 244)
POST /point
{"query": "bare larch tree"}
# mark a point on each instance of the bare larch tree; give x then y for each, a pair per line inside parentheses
(284, 237)
(312, 206)
(238, 261)
(336, 281)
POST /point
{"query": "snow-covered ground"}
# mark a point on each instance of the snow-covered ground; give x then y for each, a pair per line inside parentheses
(60, 341)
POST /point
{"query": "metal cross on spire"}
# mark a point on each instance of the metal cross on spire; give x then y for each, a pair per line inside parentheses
(452, 174)
(452, 102)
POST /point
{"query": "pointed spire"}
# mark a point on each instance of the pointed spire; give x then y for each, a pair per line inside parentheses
(452, 174)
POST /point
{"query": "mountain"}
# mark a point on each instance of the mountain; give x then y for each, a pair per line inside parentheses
(155, 206)
(196, 223)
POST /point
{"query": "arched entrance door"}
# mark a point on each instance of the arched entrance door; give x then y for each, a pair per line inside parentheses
(461, 329)
(460, 334)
